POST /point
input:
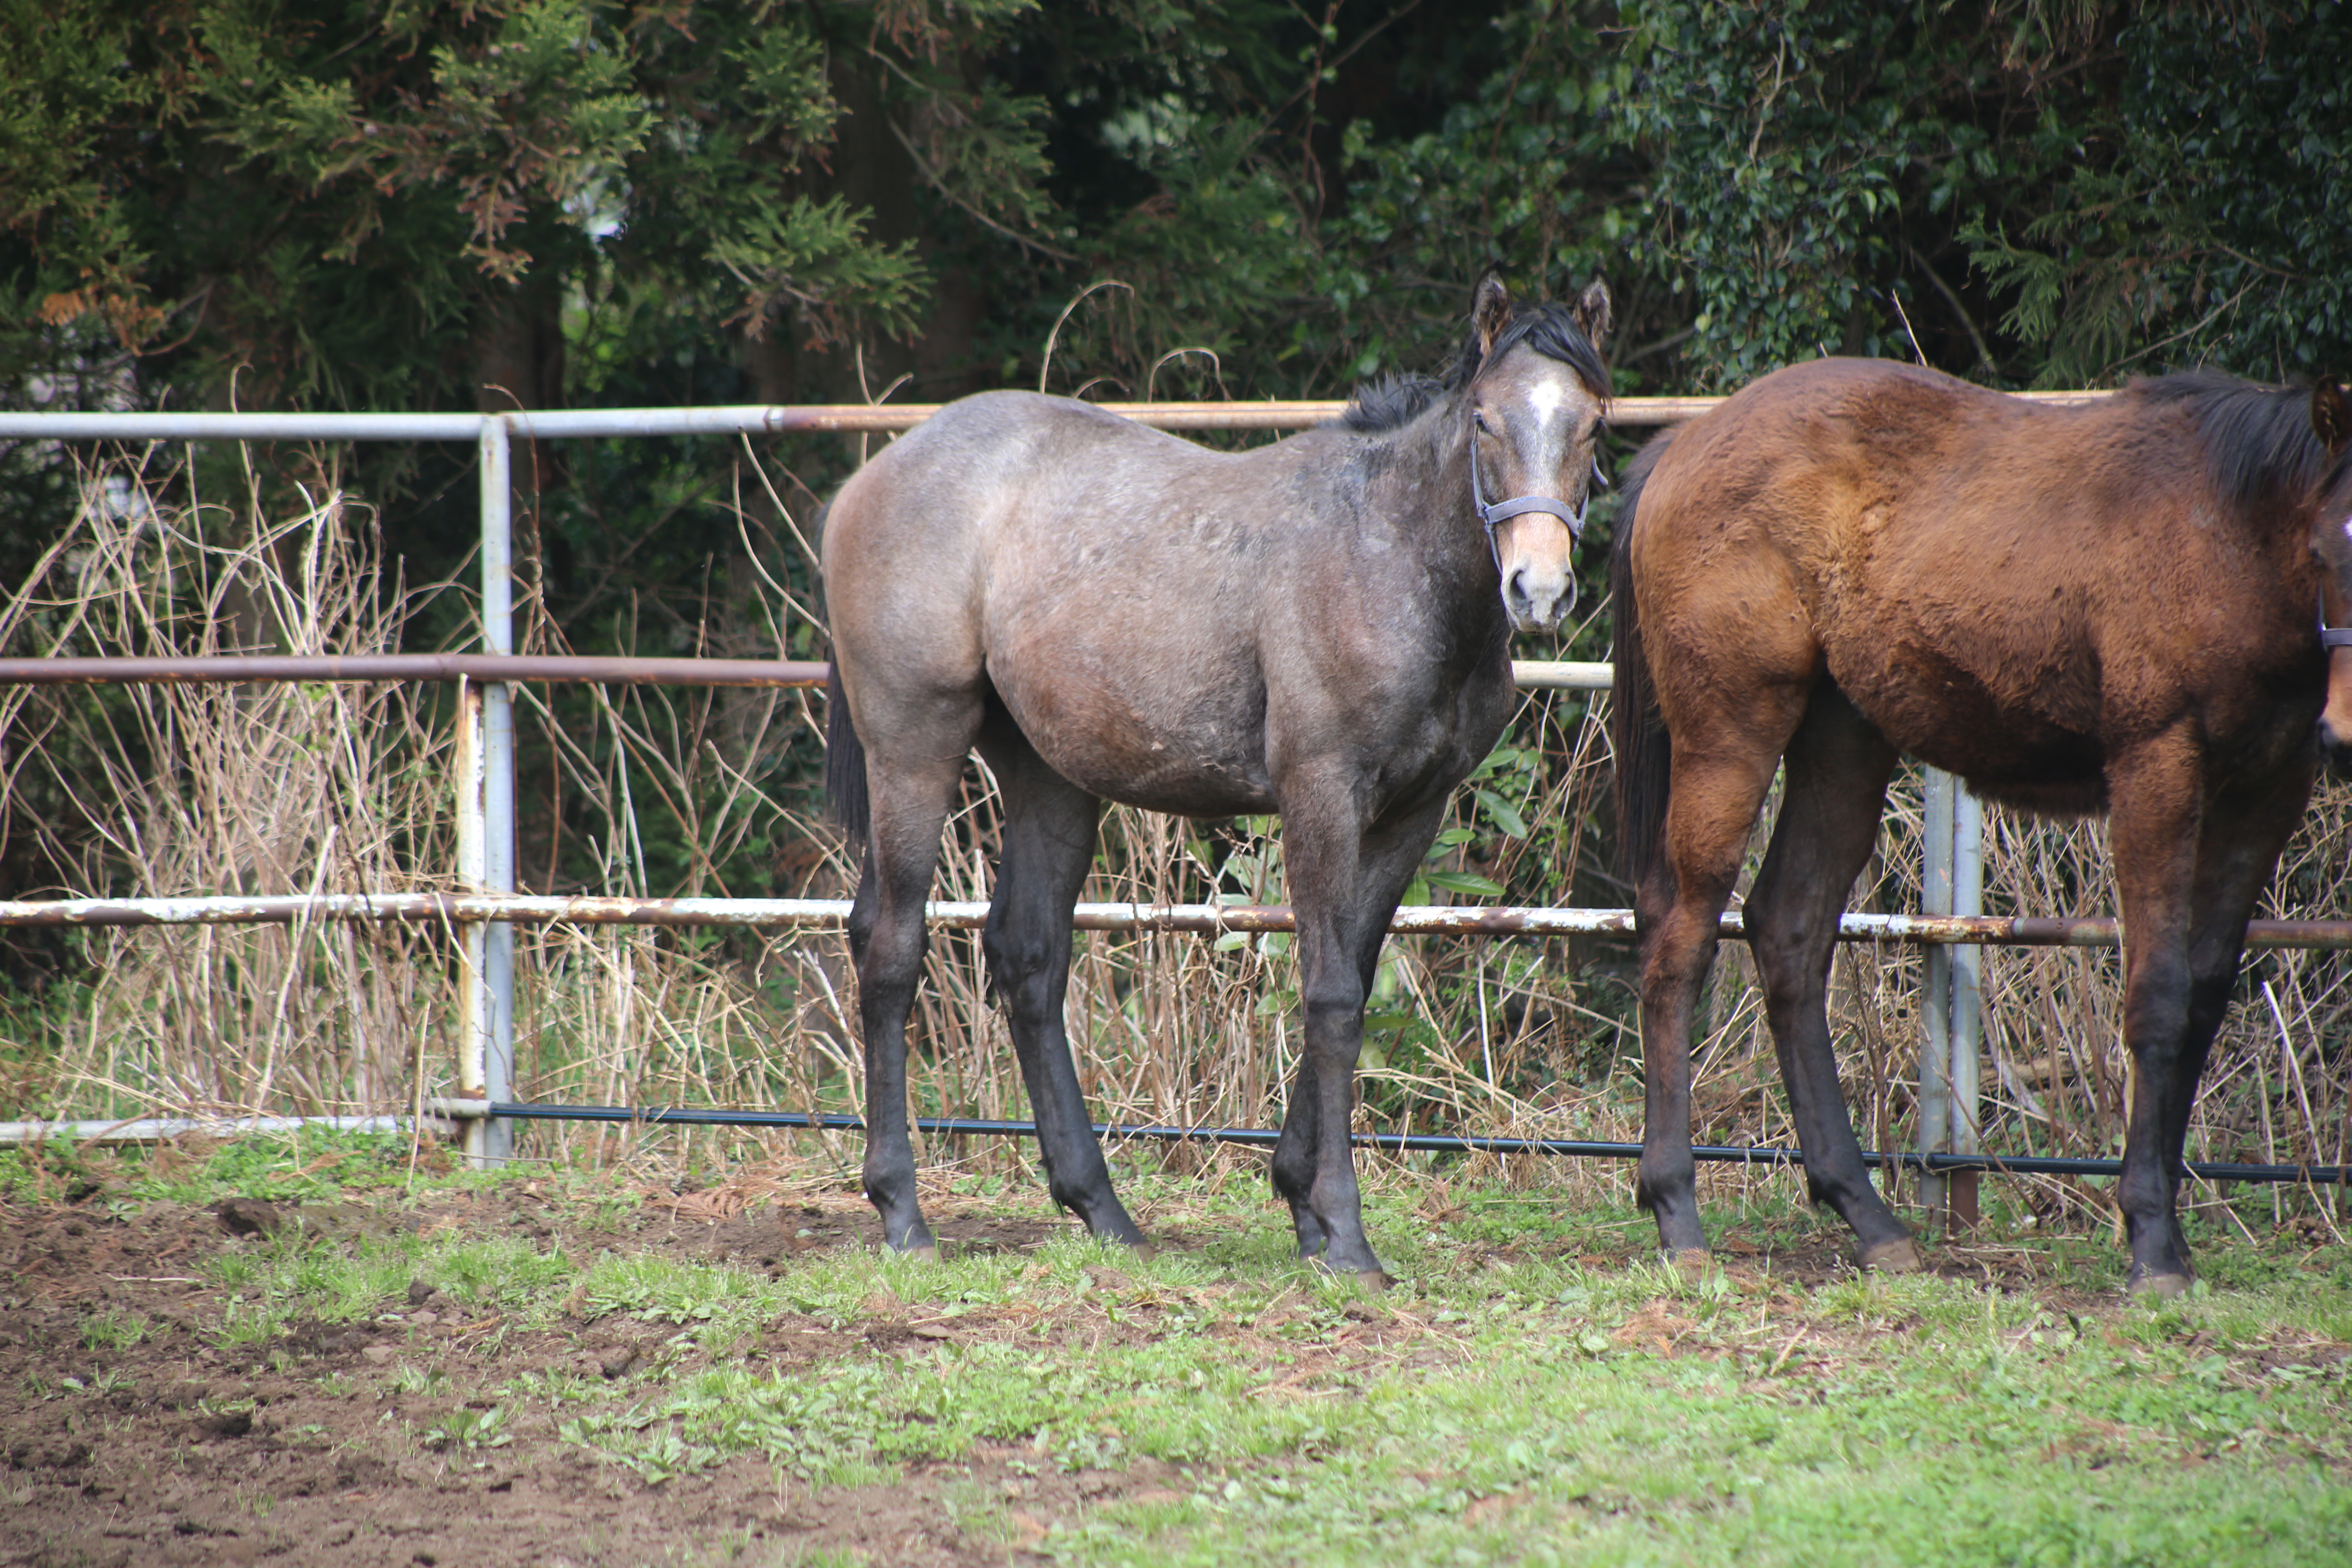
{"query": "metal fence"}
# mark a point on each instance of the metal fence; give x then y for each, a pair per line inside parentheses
(1952, 924)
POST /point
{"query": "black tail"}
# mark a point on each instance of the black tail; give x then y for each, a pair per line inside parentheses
(1637, 730)
(845, 753)
(844, 765)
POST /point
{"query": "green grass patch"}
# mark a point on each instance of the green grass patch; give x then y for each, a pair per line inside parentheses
(1538, 1389)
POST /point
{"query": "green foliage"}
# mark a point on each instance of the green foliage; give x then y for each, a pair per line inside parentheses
(2208, 227)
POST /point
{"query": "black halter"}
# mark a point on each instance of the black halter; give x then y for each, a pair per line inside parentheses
(1492, 512)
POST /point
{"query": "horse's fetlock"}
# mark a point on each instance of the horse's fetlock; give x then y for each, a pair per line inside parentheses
(1290, 1184)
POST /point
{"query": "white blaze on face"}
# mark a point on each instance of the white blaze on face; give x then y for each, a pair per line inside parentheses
(1547, 434)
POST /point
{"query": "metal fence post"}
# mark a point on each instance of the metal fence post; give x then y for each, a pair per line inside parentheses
(1967, 1002)
(1935, 1006)
(485, 803)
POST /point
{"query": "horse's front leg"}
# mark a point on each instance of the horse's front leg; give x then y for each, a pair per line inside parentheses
(1718, 786)
(1344, 884)
(2188, 874)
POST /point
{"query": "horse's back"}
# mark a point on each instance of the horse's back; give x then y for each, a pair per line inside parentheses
(1977, 572)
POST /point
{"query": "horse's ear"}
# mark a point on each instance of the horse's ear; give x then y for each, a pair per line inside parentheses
(2331, 419)
(1490, 310)
(1591, 313)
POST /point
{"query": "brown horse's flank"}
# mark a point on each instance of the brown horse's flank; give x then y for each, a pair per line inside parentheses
(2108, 607)
(1317, 627)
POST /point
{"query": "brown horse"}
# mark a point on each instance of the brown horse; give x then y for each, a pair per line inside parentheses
(1318, 627)
(2112, 606)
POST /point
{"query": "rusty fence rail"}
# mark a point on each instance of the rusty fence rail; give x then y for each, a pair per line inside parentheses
(485, 916)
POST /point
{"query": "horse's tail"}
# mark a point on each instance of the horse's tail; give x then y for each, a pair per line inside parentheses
(845, 753)
(845, 763)
(1637, 728)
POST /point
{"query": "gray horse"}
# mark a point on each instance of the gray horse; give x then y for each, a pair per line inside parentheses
(1319, 628)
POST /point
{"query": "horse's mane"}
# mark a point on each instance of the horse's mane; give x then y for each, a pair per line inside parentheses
(2259, 443)
(1392, 402)
(1397, 400)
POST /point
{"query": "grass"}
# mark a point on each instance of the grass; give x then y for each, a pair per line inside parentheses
(1517, 1398)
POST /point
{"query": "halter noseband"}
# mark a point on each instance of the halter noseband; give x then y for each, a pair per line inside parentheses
(2329, 637)
(1493, 513)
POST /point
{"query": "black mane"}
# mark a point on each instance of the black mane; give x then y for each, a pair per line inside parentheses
(1392, 402)
(1397, 399)
(2259, 444)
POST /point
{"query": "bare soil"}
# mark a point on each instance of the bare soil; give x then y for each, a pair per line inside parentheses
(183, 1448)
(203, 1454)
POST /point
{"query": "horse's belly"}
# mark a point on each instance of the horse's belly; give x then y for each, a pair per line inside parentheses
(1198, 753)
(2007, 751)
(1181, 786)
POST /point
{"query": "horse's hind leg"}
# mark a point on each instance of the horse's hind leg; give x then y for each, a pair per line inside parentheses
(887, 938)
(1049, 842)
(1836, 770)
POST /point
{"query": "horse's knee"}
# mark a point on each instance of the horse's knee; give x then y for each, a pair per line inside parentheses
(1025, 973)
(1789, 960)
(1334, 1009)
(2157, 1005)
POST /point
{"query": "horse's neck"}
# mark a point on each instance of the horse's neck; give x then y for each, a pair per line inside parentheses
(1432, 468)
(1457, 598)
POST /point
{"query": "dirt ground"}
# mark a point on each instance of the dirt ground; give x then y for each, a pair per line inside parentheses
(193, 1452)
(181, 1448)
(203, 1454)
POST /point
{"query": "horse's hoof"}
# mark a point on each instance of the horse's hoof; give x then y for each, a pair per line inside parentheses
(1891, 1257)
(1374, 1279)
(2160, 1286)
(927, 1253)
(1693, 1262)
(1144, 1251)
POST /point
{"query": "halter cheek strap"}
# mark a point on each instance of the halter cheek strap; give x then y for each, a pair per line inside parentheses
(1493, 513)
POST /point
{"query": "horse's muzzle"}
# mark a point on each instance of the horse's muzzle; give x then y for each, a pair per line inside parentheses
(2335, 718)
(1537, 600)
(2336, 747)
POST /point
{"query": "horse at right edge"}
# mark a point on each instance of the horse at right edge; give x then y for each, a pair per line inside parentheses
(2132, 606)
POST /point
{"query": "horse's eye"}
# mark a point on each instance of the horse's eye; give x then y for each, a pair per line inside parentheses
(1478, 416)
